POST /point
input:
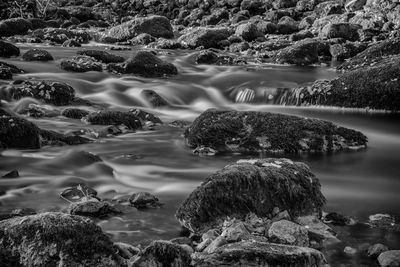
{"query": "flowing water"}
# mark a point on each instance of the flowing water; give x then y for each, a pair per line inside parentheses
(355, 183)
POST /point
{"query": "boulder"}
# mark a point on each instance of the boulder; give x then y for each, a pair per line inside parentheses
(280, 4)
(389, 258)
(13, 69)
(81, 64)
(204, 37)
(37, 55)
(154, 98)
(8, 50)
(318, 232)
(304, 52)
(375, 250)
(256, 186)
(354, 5)
(74, 113)
(344, 51)
(254, 253)
(212, 58)
(156, 26)
(102, 56)
(326, 8)
(18, 133)
(5, 74)
(142, 39)
(93, 208)
(71, 43)
(287, 25)
(115, 118)
(54, 239)
(215, 17)
(254, 132)
(143, 200)
(288, 233)
(254, 7)
(14, 26)
(248, 31)
(348, 31)
(60, 36)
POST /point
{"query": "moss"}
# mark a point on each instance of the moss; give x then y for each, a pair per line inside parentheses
(253, 132)
(102, 56)
(18, 133)
(254, 186)
(115, 118)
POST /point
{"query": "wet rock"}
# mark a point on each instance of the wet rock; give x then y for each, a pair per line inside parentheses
(37, 23)
(71, 43)
(303, 52)
(8, 50)
(204, 37)
(145, 116)
(115, 118)
(156, 26)
(215, 17)
(162, 43)
(248, 31)
(301, 35)
(326, 8)
(53, 239)
(146, 64)
(266, 27)
(11, 174)
(389, 258)
(347, 50)
(254, 7)
(81, 64)
(102, 56)
(37, 55)
(57, 139)
(289, 233)
(254, 253)
(74, 113)
(287, 25)
(18, 133)
(354, 5)
(59, 36)
(383, 221)
(162, 253)
(337, 219)
(375, 250)
(212, 58)
(233, 231)
(143, 200)
(13, 69)
(247, 186)
(251, 132)
(55, 93)
(5, 74)
(318, 232)
(81, 193)
(142, 39)
(14, 26)
(349, 250)
(126, 251)
(154, 98)
(93, 208)
(346, 31)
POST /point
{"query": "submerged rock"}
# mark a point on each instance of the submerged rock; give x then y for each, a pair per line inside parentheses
(18, 133)
(256, 186)
(5, 74)
(13, 69)
(254, 253)
(143, 200)
(54, 239)
(8, 50)
(252, 132)
(37, 55)
(57, 139)
(210, 57)
(204, 37)
(81, 64)
(11, 174)
(115, 118)
(102, 56)
(154, 98)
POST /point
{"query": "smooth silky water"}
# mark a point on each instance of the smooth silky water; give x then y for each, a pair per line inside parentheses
(358, 183)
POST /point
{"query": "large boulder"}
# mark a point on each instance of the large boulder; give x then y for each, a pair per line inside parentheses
(54, 239)
(37, 55)
(247, 186)
(248, 31)
(18, 133)
(348, 31)
(156, 26)
(253, 132)
(204, 37)
(254, 253)
(8, 50)
(10, 27)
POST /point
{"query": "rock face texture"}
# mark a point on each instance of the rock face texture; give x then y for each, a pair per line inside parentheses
(252, 132)
(251, 186)
(54, 239)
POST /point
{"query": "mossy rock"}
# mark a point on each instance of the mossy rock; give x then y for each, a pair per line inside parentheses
(102, 56)
(115, 118)
(8, 49)
(254, 132)
(11, 67)
(37, 55)
(247, 186)
(18, 133)
(14, 26)
(54, 239)
(255, 253)
(55, 93)
(81, 64)
(74, 113)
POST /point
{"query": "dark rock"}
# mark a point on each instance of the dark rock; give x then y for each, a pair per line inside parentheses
(156, 26)
(143, 200)
(37, 55)
(204, 37)
(256, 186)
(146, 64)
(255, 7)
(215, 17)
(248, 31)
(288, 233)
(287, 25)
(142, 39)
(55, 93)
(304, 52)
(18, 133)
(389, 258)
(5, 74)
(254, 253)
(301, 35)
(252, 132)
(162, 253)
(53, 239)
(71, 43)
(318, 232)
(12, 68)
(81, 64)
(14, 26)
(74, 113)
(8, 50)
(327, 8)
(375, 250)
(57, 139)
(383, 221)
(81, 193)
(59, 36)
(102, 56)
(115, 118)
(93, 208)
(11, 174)
(347, 50)
(209, 57)
(153, 98)
(145, 116)
(266, 27)
(337, 219)
(37, 23)
(346, 31)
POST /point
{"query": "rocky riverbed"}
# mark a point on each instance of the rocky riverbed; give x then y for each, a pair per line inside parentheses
(199, 133)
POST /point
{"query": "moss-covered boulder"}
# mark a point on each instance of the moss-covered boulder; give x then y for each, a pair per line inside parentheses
(55, 93)
(205, 37)
(102, 56)
(37, 55)
(81, 64)
(8, 50)
(13, 26)
(54, 239)
(115, 118)
(247, 186)
(145, 64)
(255, 253)
(375, 87)
(253, 132)
(18, 133)
(162, 253)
